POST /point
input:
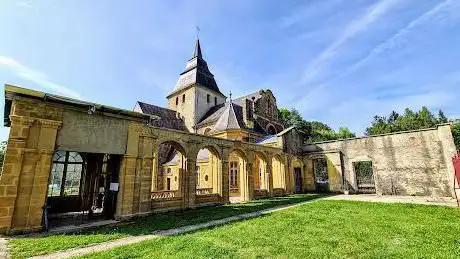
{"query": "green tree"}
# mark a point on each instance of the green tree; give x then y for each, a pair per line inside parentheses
(2, 154)
(409, 120)
(313, 130)
(456, 133)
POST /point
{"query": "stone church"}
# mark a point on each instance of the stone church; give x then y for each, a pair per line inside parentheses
(69, 160)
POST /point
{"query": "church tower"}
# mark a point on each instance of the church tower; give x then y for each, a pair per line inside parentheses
(196, 91)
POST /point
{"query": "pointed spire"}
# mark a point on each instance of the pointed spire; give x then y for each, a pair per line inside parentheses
(197, 51)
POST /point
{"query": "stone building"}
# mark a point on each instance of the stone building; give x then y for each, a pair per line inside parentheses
(68, 159)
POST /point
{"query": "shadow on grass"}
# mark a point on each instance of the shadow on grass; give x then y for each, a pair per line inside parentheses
(175, 219)
(48, 243)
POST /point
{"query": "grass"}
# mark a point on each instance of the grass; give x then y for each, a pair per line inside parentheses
(39, 245)
(324, 229)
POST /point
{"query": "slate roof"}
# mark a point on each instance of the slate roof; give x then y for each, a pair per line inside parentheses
(196, 72)
(240, 100)
(168, 118)
(228, 120)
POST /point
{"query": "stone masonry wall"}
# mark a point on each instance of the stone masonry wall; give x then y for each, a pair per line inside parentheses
(410, 163)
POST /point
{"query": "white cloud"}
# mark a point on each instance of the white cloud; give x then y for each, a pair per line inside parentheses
(41, 79)
(353, 28)
(24, 4)
(395, 39)
(307, 102)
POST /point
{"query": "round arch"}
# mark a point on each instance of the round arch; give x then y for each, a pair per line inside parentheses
(208, 170)
(271, 129)
(170, 166)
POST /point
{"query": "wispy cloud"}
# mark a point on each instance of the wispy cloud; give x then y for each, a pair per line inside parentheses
(353, 28)
(41, 79)
(24, 4)
(438, 11)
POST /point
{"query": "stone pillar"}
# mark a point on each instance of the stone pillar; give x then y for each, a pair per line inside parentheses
(269, 176)
(126, 191)
(155, 167)
(247, 179)
(26, 170)
(225, 191)
(288, 174)
(191, 181)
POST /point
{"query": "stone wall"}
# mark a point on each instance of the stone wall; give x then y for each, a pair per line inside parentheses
(40, 126)
(407, 163)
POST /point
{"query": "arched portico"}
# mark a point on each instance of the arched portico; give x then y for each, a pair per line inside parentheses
(278, 175)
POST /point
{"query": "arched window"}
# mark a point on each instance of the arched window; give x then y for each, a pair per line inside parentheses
(66, 174)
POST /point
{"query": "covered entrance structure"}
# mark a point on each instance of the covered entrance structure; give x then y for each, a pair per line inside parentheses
(82, 187)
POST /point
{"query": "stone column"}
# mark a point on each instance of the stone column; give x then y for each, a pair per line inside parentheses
(248, 178)
(126, 191)
(191, 181)
(155, 167)
(224, 177)
(269, 176)
(26, 169)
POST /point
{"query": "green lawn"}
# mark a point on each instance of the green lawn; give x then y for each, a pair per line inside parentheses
(29, 246)
(332, 229)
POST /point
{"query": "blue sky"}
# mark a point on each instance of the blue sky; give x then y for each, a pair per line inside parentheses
(336, 61)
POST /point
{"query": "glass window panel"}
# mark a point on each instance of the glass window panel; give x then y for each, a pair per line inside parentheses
(74, 157)
(59, 156)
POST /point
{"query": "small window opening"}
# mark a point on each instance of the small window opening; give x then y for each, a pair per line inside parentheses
(208, 98)
(177, 100)
(183, 98)
(215, 100)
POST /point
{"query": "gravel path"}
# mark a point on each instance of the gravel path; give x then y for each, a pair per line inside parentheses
(440, 201)
(3, 248)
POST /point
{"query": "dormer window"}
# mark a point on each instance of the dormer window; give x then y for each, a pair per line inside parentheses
(208, 98)
(183, 98)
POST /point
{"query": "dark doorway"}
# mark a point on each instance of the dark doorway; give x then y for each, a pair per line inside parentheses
(364, 176)
(168, 184)
(82, 187)
(321, 174)
(298, 179)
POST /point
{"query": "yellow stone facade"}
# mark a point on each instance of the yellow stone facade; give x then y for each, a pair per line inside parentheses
(35, 126)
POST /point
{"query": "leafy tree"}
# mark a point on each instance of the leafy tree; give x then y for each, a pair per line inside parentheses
(409, 120)
(442, 118)
(2, 154)
(456, 133)
(314, 130)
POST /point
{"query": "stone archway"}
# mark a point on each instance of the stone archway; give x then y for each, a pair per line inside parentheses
(278, 174)
(168, 173)
(237, 172)
(260, 175)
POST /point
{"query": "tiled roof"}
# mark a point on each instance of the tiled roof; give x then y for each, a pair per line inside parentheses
(168, 118)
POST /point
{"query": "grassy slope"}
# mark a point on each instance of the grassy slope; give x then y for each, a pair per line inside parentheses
(333, 229)
(29, 246)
